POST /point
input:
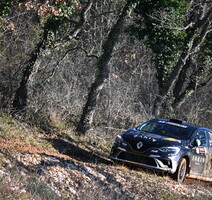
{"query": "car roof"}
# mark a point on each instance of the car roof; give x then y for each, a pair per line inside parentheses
(182, 122)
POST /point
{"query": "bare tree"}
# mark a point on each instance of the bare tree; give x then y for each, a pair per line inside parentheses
(20, 99)
(18, 38)
(62, 76)
(103, 71)
(92, 63)
(21, 95)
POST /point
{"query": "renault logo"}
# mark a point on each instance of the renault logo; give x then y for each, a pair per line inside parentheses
(139, 145)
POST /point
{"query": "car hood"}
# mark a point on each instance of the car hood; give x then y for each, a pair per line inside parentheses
(151, 139)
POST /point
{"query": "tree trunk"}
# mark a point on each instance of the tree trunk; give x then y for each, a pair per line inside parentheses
(103, 72)
(20, 98)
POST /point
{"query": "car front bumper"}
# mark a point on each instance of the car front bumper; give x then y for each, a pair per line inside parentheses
(152, 161)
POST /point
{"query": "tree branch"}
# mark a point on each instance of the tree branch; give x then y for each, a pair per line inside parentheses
(104, 13)
(78, 27)
(89, 55)
(189, 90)
(82, 21)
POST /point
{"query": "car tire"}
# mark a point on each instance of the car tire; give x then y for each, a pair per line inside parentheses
(181, 170)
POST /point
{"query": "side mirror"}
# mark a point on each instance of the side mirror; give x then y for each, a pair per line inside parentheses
(197, 143)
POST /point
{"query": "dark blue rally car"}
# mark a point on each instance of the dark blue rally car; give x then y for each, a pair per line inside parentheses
(167, 145)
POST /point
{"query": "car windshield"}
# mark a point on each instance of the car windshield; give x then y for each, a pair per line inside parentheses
(169, 129)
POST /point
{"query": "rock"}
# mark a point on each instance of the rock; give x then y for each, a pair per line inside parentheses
(118, 191)
(1, 173)
(41, 171)
(1, 127)
(72, 190)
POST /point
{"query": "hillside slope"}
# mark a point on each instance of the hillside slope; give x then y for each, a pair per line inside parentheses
(34, 165)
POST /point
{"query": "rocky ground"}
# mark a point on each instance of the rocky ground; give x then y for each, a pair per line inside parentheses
(36, 165)
(70, 172)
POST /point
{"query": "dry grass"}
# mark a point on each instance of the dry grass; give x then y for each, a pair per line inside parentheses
(16, 132)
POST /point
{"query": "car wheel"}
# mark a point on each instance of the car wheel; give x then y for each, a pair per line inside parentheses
(181, 170)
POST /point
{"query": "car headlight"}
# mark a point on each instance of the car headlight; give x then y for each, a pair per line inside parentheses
(119, 139)
(170, 150)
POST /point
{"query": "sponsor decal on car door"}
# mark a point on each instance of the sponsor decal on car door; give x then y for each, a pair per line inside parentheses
(208, 161)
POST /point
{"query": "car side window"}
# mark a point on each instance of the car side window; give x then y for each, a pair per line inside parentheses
(210, 138)
(201, 135)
